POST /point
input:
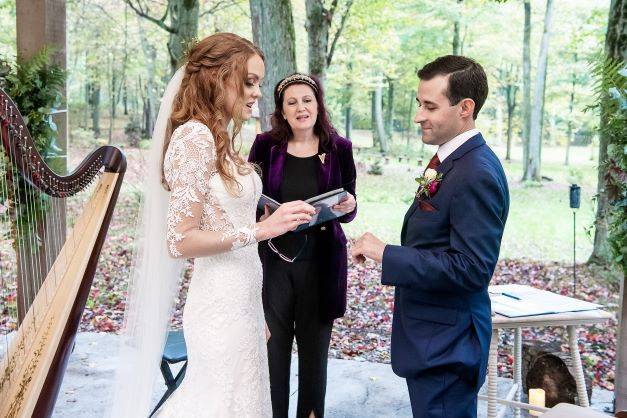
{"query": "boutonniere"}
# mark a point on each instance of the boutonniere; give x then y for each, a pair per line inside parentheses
(322, 157)
(428, 183)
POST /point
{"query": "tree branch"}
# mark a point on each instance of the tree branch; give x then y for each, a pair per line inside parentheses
(339, 30)
(331, 11)
(218, 6)
(159, 22)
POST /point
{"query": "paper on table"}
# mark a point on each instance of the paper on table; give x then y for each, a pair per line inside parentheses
(514, 300)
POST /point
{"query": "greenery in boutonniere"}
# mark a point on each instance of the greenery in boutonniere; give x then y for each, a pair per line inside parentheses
(428, 183)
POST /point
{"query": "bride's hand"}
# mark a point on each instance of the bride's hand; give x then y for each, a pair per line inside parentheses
(286, 218)
(268, 335)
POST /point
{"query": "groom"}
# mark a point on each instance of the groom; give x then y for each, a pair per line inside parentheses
(450, 244)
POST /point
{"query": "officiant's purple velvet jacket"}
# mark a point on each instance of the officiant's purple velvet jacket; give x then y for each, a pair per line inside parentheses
(337, 171)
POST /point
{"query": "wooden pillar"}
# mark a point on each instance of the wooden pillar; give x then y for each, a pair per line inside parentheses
(39, 23)
(42, 23)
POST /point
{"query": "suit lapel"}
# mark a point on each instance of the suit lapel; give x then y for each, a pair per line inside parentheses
(444, 168)
(324, 173)
(410, 212)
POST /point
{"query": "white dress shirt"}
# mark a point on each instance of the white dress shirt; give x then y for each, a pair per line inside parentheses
(449, 147)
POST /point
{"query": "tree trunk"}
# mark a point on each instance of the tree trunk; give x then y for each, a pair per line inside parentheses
(348, 100)
(87, 92)
(615, 46)
(571, 103)
(184, 18)
(125, 90)
(273, 32)
(149, 109)
(94, 102)
(532, 170)
(317, 25)
(526, 105)
(499, 120)
(376, 140)
(456, 29)
(112, 101)
(510, 117)
(409, 121)
(378, 117)
(389, 114)
(348, 124)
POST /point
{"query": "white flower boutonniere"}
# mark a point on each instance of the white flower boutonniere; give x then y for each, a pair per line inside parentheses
(428, 183)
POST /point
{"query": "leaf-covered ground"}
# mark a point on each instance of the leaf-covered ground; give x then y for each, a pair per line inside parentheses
(364, 332)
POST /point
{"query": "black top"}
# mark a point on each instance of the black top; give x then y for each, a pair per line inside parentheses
(300, 182)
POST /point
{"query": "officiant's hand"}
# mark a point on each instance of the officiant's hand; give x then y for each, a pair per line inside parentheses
(368, 246)
(347, 205)
(266, 213)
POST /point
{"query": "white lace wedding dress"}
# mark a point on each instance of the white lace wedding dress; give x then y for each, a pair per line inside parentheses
(223, 321)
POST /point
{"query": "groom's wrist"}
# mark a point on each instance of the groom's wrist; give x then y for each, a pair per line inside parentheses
(387, 262)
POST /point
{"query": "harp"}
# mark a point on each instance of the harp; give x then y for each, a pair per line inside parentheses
(47, 261)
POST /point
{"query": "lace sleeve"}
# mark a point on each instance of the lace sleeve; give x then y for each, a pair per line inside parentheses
(189, 166)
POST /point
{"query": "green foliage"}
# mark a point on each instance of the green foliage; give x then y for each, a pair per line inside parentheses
(376, 169)
(35, 85)
(611, 103)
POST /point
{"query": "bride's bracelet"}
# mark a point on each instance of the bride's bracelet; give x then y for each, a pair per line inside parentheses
(245, 236)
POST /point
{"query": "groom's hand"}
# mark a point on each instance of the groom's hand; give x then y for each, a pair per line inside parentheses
(368, 246)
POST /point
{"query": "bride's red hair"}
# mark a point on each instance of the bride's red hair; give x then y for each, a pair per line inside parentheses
(214, 65)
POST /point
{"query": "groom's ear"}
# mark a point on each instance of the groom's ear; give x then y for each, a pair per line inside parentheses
(467, 106)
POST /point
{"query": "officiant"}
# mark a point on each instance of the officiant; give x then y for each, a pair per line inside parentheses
(304, 275)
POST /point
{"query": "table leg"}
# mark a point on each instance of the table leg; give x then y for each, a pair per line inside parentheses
(517, 368)
(579, 377)
(493, 374)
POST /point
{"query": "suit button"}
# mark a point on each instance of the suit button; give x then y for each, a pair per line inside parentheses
(323, 228)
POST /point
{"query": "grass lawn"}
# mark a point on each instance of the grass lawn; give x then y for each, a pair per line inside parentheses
(540, 223)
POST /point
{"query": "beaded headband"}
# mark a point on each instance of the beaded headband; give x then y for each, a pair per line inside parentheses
(297, 78)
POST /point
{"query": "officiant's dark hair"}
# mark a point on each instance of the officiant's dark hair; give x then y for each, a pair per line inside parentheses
(281, 130)
(467, 79)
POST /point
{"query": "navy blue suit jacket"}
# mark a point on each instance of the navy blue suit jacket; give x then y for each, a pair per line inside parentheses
(441, 270)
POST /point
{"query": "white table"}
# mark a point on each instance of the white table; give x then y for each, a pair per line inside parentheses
(568, 319)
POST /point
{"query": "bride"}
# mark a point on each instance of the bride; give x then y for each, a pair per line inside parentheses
(200, 202)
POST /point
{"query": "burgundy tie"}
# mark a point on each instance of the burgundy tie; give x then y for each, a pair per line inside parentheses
(434, 163)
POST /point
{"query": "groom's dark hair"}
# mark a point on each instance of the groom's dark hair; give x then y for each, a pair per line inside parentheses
(467, 79)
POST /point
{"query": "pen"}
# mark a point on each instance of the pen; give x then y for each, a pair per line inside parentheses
(505, 294)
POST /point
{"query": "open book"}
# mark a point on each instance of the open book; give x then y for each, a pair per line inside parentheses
(323, 204)
(514, 301)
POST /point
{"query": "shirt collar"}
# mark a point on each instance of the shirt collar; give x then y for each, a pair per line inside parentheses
(449, 147)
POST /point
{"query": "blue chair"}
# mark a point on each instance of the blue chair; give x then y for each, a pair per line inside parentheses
(174, 352)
